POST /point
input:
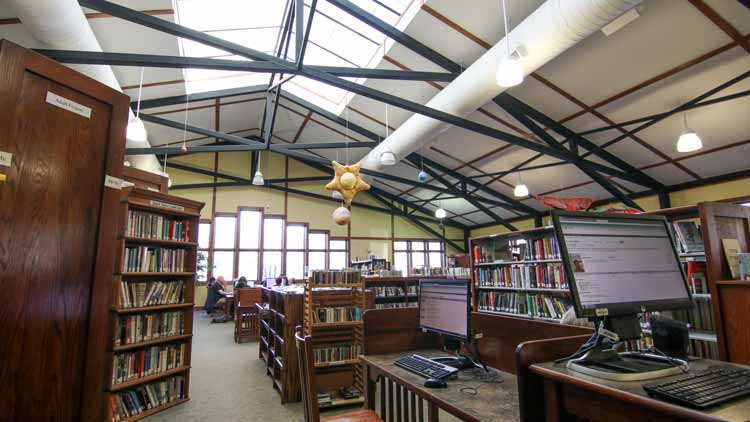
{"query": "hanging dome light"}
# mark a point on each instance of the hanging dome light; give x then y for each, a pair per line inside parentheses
(387, 158)
(521, 190)
(689, 141)
(440, 213)
(509, 72)
(258, 179)
(136, 131)
(422, 176)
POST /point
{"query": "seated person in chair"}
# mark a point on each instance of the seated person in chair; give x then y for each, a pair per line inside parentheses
(217, 295)
(241, 283)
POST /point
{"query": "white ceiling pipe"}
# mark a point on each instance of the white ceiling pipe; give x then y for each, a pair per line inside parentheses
(61, 24)
(551, 29)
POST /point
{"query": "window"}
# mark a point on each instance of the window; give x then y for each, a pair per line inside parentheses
(296, 237)
(411, 254)
(317, 244)
(225, 226)
(249, 244)
(204, 239)
(339, 254)
(273, 243)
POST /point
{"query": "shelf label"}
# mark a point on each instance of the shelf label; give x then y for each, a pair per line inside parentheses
(167, 206)
(113, 182)
(601, 311)
(6, 159)
(69, 105)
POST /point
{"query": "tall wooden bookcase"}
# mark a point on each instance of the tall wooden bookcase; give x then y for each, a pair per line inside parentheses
(152, 303)
(337, 342)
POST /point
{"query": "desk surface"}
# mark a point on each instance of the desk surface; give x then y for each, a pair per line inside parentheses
(496, 402)
(738, 410)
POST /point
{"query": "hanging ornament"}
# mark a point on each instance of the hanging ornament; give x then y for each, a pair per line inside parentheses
(337, 195)
(342, 216)
(422, 176)
(347, 181)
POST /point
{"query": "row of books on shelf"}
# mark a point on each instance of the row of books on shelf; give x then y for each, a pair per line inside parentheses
(700, 316)
(149, 326)
(458, 272)
(696, 275)
(150, 259)
(155, 226)
(153, 293)
(347, 276)
(130, 403)
(546, 275)
(394, 291)
(396, 305)
(515, 249)
(336, 353)
(535, 305)
(688, 236)
(151, 360)
(337, 314)
(704, 349)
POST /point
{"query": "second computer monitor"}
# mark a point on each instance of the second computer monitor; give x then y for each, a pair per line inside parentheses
(620, 264)
(444, 308)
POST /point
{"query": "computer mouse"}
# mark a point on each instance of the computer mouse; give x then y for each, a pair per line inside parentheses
(434, 383)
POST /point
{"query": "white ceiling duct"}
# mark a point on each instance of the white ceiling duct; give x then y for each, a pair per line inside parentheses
(61, 24)
(551, 29)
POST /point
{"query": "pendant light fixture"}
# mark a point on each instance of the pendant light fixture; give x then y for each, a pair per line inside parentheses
(258, 177)
(521, 190)
(688, 141)
(509, 71)
(136, 131)
(440, 212)
(165, 174)
(387, 158)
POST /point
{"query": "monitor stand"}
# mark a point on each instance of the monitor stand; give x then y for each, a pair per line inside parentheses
(459, 361)
(603, 361)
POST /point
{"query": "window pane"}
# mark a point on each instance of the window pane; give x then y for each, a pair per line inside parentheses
(417, 259)
(339, 245)
(201, 267)
(249, 230)
(317, 241)
(435, 246)
(436, 260)
(248, 266)
(338, 260)
(271, 264)
(401, 263)
(273, 229)
(295, 265)
(316, 261)
(295, 237)
(417, 245)
(400, 246)
(224, 234)
(224, 265)
(204, 235)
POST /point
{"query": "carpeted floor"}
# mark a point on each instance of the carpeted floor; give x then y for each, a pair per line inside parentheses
(227, 382)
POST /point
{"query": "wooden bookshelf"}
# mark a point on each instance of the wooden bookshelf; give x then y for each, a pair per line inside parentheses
(344, 331)
(169, 304)
(281, 312)
(496, 261)
(370, 265)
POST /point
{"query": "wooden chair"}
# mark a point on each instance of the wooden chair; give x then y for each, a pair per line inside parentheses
(246, 322)
(310, 390)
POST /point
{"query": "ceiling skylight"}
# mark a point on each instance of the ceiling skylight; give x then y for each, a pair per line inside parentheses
(336, 39)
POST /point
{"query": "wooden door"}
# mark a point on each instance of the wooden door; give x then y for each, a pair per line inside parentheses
(66, 132)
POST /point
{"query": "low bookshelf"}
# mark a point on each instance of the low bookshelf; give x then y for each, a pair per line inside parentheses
(152, 308)
(519, 274)
(334, 302)
(371, 265)
(396, 292)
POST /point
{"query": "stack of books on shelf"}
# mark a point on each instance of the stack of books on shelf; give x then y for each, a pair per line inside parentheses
(148, 361)
(137, 294)
(528, 276)
(149, 259)
(458, 272)
(688, 236)
(347, 276)
(389, 291)
(131, 403)
(336, 353)
(503, 249)
(411, 304)
(337, 314)
(522, 304)
(155, 226)
(138, 328)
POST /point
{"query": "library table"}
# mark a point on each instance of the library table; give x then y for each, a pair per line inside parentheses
(402, 396)
(567, 392)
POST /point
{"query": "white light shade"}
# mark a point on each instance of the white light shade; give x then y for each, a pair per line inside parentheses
(689, 141)
(521, 190)
(136, 131)
(258, 179)
(440, 213)
(509, 72)
(387, 158)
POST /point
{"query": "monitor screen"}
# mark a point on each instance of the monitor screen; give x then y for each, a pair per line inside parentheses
(444, 307)
(620, 264)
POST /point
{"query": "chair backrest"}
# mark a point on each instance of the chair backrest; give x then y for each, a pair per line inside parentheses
(307, 376)
(247, 296)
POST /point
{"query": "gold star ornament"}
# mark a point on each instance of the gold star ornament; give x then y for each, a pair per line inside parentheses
(347, 181)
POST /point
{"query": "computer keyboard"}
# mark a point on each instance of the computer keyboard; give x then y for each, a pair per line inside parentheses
(424, 367)
(714, 386)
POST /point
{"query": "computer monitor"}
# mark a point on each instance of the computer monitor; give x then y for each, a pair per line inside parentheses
(444, 308)
(620, 264)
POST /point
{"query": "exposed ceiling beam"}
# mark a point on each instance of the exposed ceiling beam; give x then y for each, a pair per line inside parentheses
(721, 23)
(200, 96)
(302, 46)
(194, 129)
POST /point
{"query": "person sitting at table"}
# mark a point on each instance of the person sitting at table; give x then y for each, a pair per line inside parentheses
(241, 283)
(209, 303)
(217, 296)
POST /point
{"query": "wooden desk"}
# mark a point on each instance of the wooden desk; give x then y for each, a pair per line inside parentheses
(402, 393)
(568, 394)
